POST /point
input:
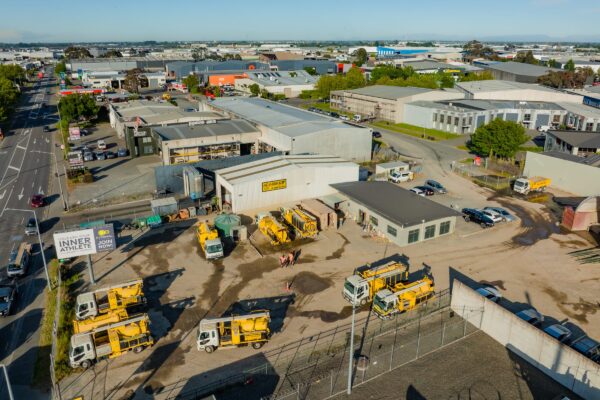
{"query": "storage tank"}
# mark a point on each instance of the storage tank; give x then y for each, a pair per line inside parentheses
(225, 223)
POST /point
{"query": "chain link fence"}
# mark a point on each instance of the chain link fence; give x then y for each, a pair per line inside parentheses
(316, 363)
(482, 176)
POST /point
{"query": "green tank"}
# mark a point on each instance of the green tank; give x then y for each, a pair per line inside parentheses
(225, 222)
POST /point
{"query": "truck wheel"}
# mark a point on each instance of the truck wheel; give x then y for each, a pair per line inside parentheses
(257, 345)
(138, 349)
(85, 364)
(363, 302)
(209, 349)
(467, 219)
(483, 225)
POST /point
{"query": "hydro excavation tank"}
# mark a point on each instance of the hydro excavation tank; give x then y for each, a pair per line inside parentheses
(225, 222)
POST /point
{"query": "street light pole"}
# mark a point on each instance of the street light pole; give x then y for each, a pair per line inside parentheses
(37, 227)
(351, 353)
(8, 387)
(62, 195)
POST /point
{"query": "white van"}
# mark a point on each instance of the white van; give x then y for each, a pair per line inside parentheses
(401, 176)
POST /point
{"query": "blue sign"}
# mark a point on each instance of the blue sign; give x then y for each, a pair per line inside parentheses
(591, 101)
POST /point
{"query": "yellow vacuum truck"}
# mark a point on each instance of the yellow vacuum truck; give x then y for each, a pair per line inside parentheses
(236, 330)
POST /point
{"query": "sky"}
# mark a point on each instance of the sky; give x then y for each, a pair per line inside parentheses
(208, 20)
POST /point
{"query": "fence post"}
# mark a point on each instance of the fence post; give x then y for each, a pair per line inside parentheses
(331, 382)
(465, 326)
(443, 333)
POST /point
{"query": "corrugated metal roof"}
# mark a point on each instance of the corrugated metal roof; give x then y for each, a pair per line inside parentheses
(521, 68)
(387, 92)
(578, 139)
(498, 85)
(221, 128)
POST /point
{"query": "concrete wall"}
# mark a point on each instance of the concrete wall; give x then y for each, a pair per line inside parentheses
(563, 364)
(527, 95)
(572, 177)
(352, 144)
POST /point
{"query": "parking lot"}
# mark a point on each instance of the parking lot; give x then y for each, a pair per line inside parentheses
(117, 179)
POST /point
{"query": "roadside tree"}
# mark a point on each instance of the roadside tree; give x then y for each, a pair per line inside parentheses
(254, 89)
(499, 138)
(192, 82)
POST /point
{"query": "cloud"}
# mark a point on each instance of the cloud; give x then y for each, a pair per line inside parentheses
(10, 35)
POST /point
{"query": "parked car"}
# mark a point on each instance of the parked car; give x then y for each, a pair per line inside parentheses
(46, 128)
(587, 346)
(490, 293)
(334, 114)
(37, 200)
(426, 189)
(83, 132)
(357, 118)
(8, 296)
(376, 134)
(100, 155)
(88, 156)
(401, 176)
(190, 110)
(101, 145)
(418, 191)
(559, 332)
(438, 187)
(122, 152)
(508, 217)
(532, 316)
(471, 214)
(494, 216)
(110, 154)
(312, 109)
(31, 227)
(344, 118)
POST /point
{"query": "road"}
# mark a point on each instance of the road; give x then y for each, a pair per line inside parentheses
(25, 170)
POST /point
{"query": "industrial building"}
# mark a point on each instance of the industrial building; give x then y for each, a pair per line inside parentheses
(117, 64)
(287, 83)
(505, 90)
(465, 116)
(386, 102)
(279, 180)
(582, 144)
(295, 131)
(192, 143)
(116, 79)
(515, 71)
(181, 69)
(401, 216)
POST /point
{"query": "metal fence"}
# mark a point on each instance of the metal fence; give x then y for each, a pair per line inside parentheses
(482, 176)
(313, 357)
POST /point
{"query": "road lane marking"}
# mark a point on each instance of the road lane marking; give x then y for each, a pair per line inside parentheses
(3, 194)
(15, 168)
(21, 147)
(20, 195)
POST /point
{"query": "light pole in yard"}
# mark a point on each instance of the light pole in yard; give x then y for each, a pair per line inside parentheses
(351, 353)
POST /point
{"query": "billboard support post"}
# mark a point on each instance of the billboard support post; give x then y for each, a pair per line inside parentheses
(90, 269)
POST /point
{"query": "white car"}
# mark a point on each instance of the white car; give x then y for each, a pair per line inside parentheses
(344, 118)
(418, 191)
(493, 215)
(101, 145)
(401, 176)
(490, 293)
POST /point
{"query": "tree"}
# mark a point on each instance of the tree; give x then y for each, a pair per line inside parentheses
(498, 139)
(311, 70)
(355, 78)
(477, 76)
(526, 58)
(361, 56)
(254, 89)
(12, 72)
(75, 107)
(192, 82)
(113, 53)
(390, 71)
(475, 49)
(60, 67)
(132, 80)
(552, 63)
(72, 52)
(445, 81)
(8, 97)
(570, 66)
(196, 55)
(568, 79)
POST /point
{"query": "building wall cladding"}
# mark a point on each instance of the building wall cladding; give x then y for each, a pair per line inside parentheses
(401, 238)
(336, 141)
(572, 177)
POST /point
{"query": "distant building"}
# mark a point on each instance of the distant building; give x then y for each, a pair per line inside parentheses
(287, 83)
(516, 72)
(506, 90)
(279, 56)
(181, 69)
(385, 102)
(582, 144)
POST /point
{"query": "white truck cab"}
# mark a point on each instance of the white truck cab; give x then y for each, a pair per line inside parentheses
(86, 306)
(356, 290)
(214, 249)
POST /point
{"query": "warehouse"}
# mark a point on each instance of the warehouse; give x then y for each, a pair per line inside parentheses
(287, 83)
(192, 143)
(395, 213)
(581, 117)
(295, 131)
(582, 144)
(281, 180)
(505, 90)
(181, 69)
(386, 102)
(516, 72)
(465, 116)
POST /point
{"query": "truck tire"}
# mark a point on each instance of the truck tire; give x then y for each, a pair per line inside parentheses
(85, 364)
(363, 302)
(138, 349)
(467, 219)
(209, 349)
(483, 225)
(257, 345)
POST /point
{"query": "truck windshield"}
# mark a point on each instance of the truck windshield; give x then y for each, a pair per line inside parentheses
(13, 267)
(204, 335)
(519, 184)
(380, 303)
(349, 287)
(214, 248)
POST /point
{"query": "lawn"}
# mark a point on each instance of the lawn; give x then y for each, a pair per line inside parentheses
(416, 131)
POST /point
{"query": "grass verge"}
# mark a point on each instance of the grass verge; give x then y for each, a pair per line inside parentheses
(65, 323)
(416, 131)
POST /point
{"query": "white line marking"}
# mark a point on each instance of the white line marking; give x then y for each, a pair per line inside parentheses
(15, 168)
(2, 195)
(21, 147)
(20, 195)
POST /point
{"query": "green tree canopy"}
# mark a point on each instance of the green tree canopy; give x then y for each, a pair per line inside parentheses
(60, 67)
(8, 97)
(112, 53)
(570, 66)
(254, 89)
(75, 107)
(552, 63)
(477, 76)
(311, 70)
(361, 56)
(498, 139)
(132, 80)
(72, 52)
(12, 72)
(355, 78)
(526, 58)
(191, 82)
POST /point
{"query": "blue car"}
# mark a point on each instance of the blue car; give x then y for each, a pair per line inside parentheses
(122, 152)
(471, 214)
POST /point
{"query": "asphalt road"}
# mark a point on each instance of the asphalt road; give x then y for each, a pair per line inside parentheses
(25, 168)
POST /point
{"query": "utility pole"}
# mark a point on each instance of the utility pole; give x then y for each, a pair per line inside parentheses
(8, 387)
(351, 353)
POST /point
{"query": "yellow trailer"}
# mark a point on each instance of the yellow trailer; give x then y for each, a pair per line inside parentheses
(272, 229)
(402, 297)
(234, 331)
(304, 224)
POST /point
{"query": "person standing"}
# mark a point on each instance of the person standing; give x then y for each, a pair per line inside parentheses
(291, 258)
(283, 261)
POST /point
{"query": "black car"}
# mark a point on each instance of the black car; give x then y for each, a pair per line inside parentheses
(334, 114)
(471, 214)
(312, 109)
(426, 189)
(110, 154)
(8, 295)
(46, 128)
(376, 134)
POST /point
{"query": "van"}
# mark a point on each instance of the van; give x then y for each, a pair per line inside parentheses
(401, 176)
(357, 118)
(18, 261)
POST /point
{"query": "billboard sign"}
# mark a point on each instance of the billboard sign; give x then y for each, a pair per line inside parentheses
(83, 242)
(274, 185)
(74, 133)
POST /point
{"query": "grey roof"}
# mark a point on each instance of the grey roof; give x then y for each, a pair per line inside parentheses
(500, 86)
(321, 66)
(578, 139)
(398, 205)
(520, 68)
(581, 109)
(221, 128)
(486, 105)
(290, 121)
(423, 65)
(282, 78)
(388, 92)
(593, 160)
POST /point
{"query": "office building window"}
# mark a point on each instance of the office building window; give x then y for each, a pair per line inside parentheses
(556, 119)
(147, 139)
(527, 117)
(434, 117)
(589, 126)
(374, 221)
(392, 231)
(444, 227)
(429, 231)
(413, 236)
(449, 119)
(456, 121)
(470, 121)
